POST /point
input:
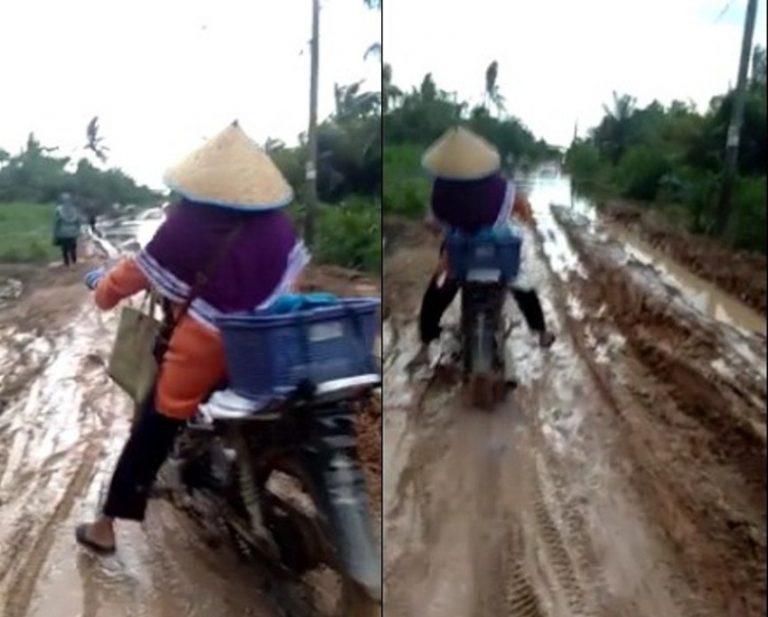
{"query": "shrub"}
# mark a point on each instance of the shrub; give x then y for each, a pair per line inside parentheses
(747, 229)
(639, 172)
(349, 234)
(583, 161)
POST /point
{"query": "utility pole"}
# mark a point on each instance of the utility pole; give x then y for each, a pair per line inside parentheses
(311, 170)
(723, 210)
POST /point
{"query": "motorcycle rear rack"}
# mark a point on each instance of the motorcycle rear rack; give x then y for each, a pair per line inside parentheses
(322, 393)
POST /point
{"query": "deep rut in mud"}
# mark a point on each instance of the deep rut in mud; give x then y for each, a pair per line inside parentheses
(625, 475)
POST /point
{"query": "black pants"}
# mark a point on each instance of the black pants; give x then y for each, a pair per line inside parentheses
(68, 250)
(437, 299)
(144, 453)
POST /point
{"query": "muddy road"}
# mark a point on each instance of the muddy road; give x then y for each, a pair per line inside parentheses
(62, 425)
(626, 474)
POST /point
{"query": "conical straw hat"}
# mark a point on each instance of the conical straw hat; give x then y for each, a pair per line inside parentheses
(461, 155)
(230, 170)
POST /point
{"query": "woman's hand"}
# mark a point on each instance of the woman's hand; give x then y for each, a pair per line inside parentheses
(93, 277)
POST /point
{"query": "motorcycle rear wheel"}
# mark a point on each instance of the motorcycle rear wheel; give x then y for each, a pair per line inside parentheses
(351, 600)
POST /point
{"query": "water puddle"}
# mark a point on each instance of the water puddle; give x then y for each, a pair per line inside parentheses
(10, 290)
(561, 256)
(704, 296)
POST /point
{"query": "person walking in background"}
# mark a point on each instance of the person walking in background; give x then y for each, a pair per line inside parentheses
(66, 228)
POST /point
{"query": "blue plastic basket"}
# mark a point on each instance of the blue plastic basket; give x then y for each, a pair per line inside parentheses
(270, 355)
(487, 250)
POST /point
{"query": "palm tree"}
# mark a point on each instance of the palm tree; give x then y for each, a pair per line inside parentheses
(428, 89)
(95, 141)
(273, 145)
(375, 49)
(613, 133)
(492, 92)
(390, 93)
(352, 103)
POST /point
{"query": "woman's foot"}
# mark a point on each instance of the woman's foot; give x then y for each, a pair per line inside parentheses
(98, 536)
(420, 360)
(546, 339)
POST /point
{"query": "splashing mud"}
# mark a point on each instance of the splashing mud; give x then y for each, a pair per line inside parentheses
(625, 475)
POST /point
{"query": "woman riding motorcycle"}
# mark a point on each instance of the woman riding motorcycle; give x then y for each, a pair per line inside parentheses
(226, 243)
(470, 194)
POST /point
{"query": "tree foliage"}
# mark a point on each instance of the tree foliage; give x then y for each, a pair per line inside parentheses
(674, 155)
(36, 175)
(492, 93)
(420, 116)
(348, 148)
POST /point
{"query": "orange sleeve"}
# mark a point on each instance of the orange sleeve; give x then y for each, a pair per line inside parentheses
(522, 209)
(192, 367)
(122, 281)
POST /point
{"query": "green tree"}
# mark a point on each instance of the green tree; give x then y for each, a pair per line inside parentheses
(95, 142)
(390, 94)
(612, 135)
(492, 93)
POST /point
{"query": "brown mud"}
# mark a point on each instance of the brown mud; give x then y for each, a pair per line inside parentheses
(739, 273)
(624, 477)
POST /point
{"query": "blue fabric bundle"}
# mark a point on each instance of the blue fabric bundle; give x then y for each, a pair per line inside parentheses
(293, 303)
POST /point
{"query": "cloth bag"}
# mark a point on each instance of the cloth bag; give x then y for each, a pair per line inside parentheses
(134, 364)
(142, 339)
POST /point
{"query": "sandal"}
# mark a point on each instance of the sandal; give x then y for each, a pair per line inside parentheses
(81, 535)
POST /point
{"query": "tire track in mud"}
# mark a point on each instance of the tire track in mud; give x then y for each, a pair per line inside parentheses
(26, 575)
(506, 580)
(704, 481)
(520, 598)
(550, 542)
(550, 554)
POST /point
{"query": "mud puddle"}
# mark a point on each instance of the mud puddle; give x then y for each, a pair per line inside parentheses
(705, 296)
(597, 487)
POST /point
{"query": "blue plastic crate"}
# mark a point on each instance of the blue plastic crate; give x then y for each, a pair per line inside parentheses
(269, 355)
(488, 250)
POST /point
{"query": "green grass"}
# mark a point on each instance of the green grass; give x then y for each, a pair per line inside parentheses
(26, 233)
(406, 185)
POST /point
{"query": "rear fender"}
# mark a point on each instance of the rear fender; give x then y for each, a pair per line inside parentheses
(481, 313)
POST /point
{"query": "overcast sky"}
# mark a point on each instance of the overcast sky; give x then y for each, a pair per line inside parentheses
(163, 74)
(559, 60)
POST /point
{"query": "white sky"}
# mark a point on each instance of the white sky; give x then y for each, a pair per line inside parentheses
(163, 75)
(559, 60)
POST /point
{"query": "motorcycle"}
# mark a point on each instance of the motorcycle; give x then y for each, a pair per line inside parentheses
(281, 475)
(287, 484)
(483, 264)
